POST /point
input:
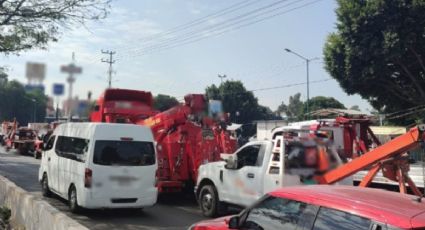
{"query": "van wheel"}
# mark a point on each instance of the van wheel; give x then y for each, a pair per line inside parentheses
(45, 186)
(209, 203)
(72, 200)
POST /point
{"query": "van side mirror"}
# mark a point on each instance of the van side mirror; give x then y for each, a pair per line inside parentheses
(233, 222)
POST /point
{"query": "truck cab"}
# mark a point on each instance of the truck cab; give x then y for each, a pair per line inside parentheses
(257, 168)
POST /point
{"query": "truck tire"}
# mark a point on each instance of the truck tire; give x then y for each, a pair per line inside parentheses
(73, 201)
(45, 186)
(209, 202)
(37, 154)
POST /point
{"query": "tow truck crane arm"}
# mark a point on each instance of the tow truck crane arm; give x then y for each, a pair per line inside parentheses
(390, 157)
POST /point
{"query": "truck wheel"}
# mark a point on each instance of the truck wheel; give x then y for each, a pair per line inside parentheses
(37, 155)
(45, 187)
(209, 202)
(72, 200)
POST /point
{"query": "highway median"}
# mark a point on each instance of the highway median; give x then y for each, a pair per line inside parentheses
(33, 212)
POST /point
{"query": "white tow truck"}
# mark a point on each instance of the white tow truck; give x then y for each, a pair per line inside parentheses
(257, 168)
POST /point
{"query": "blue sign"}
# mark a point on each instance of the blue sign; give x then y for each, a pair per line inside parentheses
(58, 89)
(32, 88)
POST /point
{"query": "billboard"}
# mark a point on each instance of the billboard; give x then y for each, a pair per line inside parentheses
(35, 72)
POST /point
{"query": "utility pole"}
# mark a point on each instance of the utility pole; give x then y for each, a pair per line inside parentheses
(307, 61)
(222, 77)
(110, 62)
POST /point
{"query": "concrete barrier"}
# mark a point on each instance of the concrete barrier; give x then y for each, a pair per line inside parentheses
(32, 212)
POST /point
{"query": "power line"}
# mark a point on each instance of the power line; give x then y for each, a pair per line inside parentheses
(274, 87)
(404, 110)
(175, 42)
(183, 27)
(217, 27)
(406, 114)
(110, 62)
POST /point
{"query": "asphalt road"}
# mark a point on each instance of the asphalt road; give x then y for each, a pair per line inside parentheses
(171, 212)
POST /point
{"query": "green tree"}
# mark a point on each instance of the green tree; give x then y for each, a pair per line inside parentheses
(321, 102)
(238, 101)
(27, 24)
(294, 110)
(163, 102)
(355, 107)
(16, 103)
(378, 52)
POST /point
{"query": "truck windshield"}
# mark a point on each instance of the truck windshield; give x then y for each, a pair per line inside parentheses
(124, 153)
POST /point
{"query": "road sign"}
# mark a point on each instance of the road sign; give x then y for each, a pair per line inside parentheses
(58, 89)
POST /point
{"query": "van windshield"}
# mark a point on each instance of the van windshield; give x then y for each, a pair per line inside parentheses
(124, 153)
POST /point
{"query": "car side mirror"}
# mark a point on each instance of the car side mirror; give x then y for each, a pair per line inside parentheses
(233, 222)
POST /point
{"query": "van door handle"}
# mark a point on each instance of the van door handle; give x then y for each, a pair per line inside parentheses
(250, 175)
(48, 159)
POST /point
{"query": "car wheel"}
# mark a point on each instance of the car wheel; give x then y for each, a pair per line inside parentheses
(45, 187)
(72, 200)
(209, 203)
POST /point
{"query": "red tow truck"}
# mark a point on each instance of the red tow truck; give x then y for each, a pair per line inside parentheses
(186, 137)
(22, 139)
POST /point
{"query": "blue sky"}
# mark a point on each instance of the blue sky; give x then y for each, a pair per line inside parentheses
(253, 54)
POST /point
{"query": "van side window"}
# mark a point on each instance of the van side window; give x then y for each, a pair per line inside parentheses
(50, 143)
(72, 148)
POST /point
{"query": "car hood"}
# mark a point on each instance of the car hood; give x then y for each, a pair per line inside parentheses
(217, 224)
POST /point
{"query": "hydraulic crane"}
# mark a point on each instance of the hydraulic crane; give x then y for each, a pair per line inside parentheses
(186, 139)
(390, 157)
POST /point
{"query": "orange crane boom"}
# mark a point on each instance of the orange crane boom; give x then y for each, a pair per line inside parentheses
(390, 157)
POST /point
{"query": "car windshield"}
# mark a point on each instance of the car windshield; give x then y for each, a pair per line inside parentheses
(125, 153)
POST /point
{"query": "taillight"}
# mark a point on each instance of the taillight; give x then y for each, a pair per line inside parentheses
(156, 178)
(88, 176)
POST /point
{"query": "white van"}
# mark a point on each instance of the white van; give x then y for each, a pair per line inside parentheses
(100, 165)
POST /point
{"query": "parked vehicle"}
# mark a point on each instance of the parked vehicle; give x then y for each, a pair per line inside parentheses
(289, 164)
(326, 207)
(255, 169)
(21, 139)
(186, 137)
(100, 165)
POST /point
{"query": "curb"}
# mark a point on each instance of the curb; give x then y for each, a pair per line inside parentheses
(32, 212)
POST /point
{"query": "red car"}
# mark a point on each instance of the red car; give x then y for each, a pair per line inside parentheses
(327, 207)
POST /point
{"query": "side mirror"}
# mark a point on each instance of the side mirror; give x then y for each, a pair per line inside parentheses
(231, 163)
(233, 222)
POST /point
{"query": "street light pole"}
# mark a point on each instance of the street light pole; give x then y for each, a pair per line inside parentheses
(307, 62)
(35, 109)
